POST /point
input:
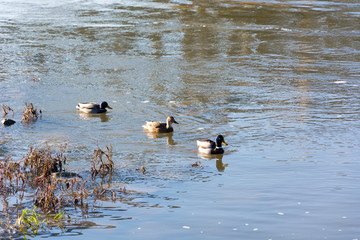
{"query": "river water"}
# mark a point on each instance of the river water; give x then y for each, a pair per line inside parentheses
(279, 79)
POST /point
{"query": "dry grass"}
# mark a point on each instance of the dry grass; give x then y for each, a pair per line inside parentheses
(197, 164)
(30, 114)
(100, 166)
(35, 171)
(41, 172)
(52, 192)
(6, 110)
(12, 178)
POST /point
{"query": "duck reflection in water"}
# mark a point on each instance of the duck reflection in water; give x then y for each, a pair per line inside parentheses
(87, 116)
(169, 136)
(219, 163)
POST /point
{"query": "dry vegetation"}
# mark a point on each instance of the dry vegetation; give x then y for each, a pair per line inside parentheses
(6, 110)
(35, 173)
(102, 166)
(30, 114)
(41, 172)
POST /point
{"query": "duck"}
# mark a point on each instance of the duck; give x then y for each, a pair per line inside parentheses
(208, 146)
(160, 127)
(91, 107)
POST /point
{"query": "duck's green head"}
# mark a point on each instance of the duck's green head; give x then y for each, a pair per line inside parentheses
(220, 140)
(104, 105)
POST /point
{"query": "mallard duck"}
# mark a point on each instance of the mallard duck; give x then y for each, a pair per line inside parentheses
(93, 107)
(210, 147)
(160, 127)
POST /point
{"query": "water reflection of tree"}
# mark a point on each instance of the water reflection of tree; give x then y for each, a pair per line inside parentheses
(212, 36)
(218, 30)
(306, 64)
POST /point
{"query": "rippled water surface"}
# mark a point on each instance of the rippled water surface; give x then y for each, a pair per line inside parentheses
(279, 79)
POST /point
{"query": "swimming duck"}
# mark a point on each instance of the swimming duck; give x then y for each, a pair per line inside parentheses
(160, 127)
(93, 107)
(210, 147)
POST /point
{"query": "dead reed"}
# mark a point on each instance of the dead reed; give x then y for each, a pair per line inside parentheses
(197, 164)
(41, 171)
(42, 162)
(15, 178)
(11, 177)
(100, 166)
(6, 110)
(104, 194)
(54, 188)
(30, 114)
